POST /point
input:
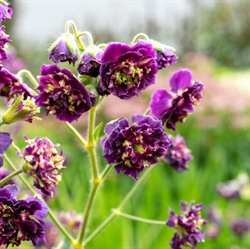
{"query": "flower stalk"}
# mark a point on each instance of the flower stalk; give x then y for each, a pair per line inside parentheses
(10, 176)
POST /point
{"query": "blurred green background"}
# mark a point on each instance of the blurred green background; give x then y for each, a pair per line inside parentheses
(213, 41)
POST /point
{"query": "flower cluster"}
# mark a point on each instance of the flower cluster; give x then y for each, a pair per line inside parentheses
(134, 147)
(43, 163)
(178, 154)
(21, 220)
(172, 107)
(187, 226)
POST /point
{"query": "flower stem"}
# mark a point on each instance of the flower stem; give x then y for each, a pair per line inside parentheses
(51, 214)
(28, 75)
(139, 36)
(76, 34)
(112, 215)
(117, 212)
(88, 34)
(8, 177)
(77, 134)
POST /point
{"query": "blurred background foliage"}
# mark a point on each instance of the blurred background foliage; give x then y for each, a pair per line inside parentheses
(214, 41)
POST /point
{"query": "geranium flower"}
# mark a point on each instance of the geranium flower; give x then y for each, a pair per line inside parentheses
(43, 163)
(126, 70)
(134, 147)
(62, 94)
(20, 220)
(5, 142)
(187, 226)
(172, 107)
(5, 11)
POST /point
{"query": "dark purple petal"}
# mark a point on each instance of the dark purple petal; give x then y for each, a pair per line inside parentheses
(5, 141)
(161, 100)
(165, 58)
(181, 80)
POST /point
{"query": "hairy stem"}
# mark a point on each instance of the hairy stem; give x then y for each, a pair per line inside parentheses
(8, 177)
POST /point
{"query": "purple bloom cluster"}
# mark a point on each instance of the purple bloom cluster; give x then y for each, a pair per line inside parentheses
(5, 142)
(187, 226)
(43, 163)
(64, 49)
(134, 147)
(10, 87)
(178, 154)
(165, 58)
(62, 94)
(126, 71)
(172, 107)
(20, 220)
(90, 64)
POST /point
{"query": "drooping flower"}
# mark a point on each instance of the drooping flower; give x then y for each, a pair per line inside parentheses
(90, 62)
(64, 49)
(126, 71)
(240, 227)
(43, 163)
(22, 109)
(20, 220)
(172, 107)
(5, 142)
(134, 147)
(178, 154)
(187, 226)
(3, 40)
(10, 87)
(5, 11)
(165, 58)
(62, 94)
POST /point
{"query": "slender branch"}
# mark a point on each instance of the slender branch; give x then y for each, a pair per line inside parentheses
(105, 171)
(89, 36)
(8, 177)
(28, 75)
(136, 218)
(139, 36)
(77, 134)
(51, 214)
(112, 215)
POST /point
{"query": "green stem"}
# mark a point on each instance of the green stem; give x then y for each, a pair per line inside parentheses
(105, 171)
(117, 212)
(139, 36)
(1, 123)
(89, 36)
(8, 177)
(51, 214)
(70, 24)
(28, 75)
(77, 134)
(112, 215)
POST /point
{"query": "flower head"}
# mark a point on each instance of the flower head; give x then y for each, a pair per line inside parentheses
(43, 163)
(5, 142)
(62, 94)
(240, 227)
(178, 154)
(91, 62)
(134, 147)
(10, 87)
(22, 109)
(20, 220)
(3, 40)
(126, 70)
(187, 226)
(64, 49)
(5, 11)
(165, 57)
(172, 107)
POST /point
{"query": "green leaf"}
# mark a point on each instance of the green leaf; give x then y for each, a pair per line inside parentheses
(97, 132)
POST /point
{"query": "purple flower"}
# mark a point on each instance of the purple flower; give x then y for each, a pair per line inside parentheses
(240, 227)
(62, 94)
(165, 57)
(22, 110)
(187, 226)
(126, 70)
(64, 49)
(3, 40)
(5, 11)
(43, 163)
(5, 142)
(10, 87)
(134, 147)
(90, 63)
(20, 220)
(178, 154)
(172, 107)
